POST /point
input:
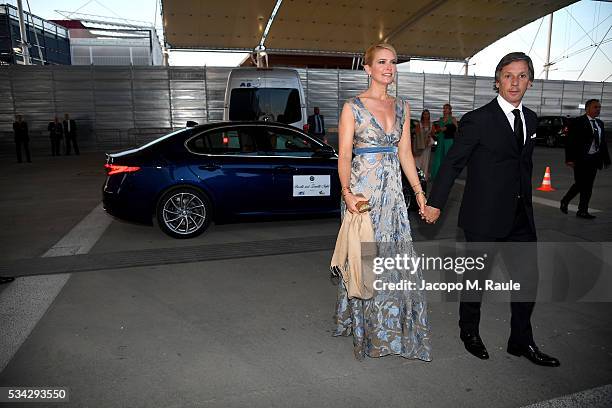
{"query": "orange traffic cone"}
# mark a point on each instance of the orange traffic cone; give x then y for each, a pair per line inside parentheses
(546, 186)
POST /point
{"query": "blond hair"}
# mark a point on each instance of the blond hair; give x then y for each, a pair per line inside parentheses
(368, 57)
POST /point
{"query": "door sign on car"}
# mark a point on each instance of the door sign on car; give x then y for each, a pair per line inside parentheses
(304, 186)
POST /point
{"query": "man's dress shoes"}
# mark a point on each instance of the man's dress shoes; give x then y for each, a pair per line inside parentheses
(474, 345)
(534, 355)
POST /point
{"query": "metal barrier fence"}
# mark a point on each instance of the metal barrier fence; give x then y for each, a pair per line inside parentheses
(123, 105)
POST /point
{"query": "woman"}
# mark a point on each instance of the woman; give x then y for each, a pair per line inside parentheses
(445, 138)
(426, 140)
(377, 126)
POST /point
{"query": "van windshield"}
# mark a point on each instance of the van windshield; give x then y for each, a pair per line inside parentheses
(274, 104)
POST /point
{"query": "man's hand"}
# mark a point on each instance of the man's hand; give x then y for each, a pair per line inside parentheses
(570, 164)
(430, 214)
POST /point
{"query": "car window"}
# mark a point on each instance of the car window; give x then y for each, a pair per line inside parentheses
(284, 142)
(273, 104)
(224, 141)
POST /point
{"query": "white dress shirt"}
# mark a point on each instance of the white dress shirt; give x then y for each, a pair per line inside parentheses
(507, 107)
(593, 149)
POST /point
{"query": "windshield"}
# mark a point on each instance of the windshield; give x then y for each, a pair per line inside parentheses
(273, 104)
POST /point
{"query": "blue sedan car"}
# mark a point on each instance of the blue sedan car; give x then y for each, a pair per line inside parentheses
(190, 177)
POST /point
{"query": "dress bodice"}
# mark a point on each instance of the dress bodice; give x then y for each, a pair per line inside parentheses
(369, 132)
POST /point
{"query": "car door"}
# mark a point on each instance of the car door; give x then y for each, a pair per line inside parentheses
(305, 172)
(231, 170)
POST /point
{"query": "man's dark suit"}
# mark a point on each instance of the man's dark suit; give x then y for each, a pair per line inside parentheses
(56, 132)
(312, 126)
(71, 136)
(22, 138)
(496, 204)
(577, 147)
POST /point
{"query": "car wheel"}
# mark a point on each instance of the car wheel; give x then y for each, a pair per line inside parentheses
(183, 213)
(551, 140)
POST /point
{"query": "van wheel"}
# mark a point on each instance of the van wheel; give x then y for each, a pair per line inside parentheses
(551, 140)
(183, 213)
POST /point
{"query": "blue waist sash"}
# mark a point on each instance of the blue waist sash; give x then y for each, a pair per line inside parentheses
(375, 149)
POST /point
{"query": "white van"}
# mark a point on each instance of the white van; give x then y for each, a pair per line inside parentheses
(273, 94)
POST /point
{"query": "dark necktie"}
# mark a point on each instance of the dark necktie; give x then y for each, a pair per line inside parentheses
(518, 128)
(595, 135)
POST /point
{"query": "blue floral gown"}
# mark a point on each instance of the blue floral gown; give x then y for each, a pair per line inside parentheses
(392, 322)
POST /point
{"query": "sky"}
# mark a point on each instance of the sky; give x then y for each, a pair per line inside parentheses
(576, 30)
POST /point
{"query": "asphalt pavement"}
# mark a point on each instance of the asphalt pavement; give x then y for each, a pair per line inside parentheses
(242, 315)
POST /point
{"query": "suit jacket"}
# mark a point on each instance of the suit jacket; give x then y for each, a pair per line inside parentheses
(21, 131)
(56, 130)
(312, 125)
(498, 172)
(72, 132)
(580, 139)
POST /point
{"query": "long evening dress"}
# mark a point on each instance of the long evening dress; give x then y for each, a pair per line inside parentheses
(392, 322)
(442, 147)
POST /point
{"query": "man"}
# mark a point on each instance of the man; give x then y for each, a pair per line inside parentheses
(316, 125)
(70, 133)
(56, 132)
(496, 143)
(586, 151)
(20, 128)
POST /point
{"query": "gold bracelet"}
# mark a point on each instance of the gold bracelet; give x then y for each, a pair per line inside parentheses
(420, 192)
(417, 184)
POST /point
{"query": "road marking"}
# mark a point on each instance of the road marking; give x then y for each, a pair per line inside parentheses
(546, 201)
(599, 397)
(24, 301)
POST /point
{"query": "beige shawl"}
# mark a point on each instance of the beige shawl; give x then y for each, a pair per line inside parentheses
(348, 255)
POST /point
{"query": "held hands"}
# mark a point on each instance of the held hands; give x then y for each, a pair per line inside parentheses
(430, 214)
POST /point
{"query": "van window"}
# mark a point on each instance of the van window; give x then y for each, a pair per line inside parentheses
(274, 104)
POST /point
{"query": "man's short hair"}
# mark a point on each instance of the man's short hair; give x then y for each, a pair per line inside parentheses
(509, 59)
(589, 102)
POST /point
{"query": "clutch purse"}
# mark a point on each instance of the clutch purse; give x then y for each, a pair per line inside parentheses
(363, 206)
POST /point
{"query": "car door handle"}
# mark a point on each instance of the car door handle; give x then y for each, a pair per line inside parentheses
(285, 169)
(210, 167)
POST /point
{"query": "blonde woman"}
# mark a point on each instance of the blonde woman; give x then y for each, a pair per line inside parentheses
(374, 127)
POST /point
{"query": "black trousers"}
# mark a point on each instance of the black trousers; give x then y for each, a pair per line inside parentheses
(521, 263)
(26, 147)
(585, 171)
(55, 145)
(71, 140)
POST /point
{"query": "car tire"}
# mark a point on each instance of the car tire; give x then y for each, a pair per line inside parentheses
(551, 140)
(183, 213)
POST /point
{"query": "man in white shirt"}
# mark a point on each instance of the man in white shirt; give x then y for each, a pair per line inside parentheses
(70, 132)
(496, 144)
(586, 151)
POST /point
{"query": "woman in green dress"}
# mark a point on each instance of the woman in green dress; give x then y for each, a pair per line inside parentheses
(445, 137)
